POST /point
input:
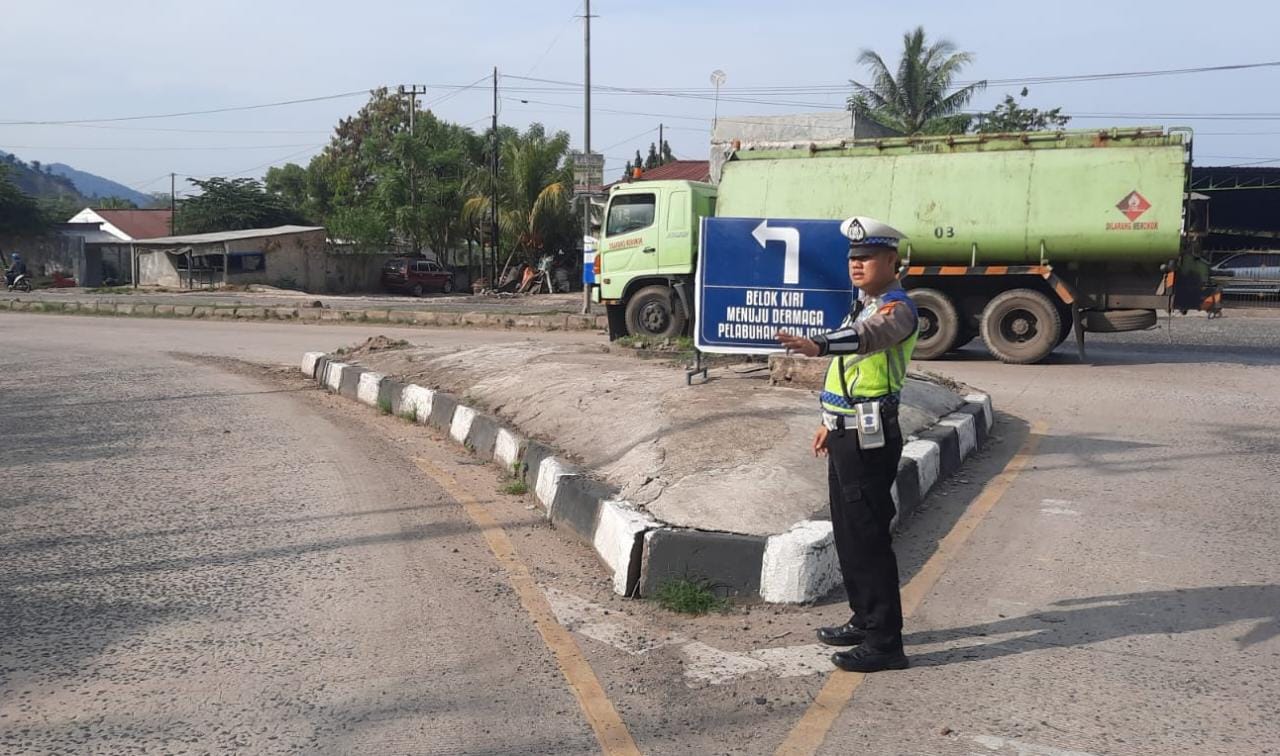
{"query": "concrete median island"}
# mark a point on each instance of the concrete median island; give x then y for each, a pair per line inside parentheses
(538, 313)
(713, 482)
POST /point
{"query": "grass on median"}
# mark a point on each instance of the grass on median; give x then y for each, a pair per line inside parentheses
(689, 597)
(515, 488)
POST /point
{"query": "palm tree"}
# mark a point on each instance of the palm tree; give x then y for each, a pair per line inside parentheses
(916, 99)
(534, 187)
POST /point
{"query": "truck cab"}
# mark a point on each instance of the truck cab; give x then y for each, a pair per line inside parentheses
(647, 254)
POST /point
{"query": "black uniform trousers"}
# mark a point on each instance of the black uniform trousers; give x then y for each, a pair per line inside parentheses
(861, 511)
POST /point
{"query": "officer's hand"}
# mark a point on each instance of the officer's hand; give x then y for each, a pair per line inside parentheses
(800, 344)
(820, 442)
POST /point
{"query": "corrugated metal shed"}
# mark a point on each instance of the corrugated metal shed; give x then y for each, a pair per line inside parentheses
(224, 236)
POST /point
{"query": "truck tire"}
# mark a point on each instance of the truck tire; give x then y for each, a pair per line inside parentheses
(939, 324)
(1115, 321)
(1021, 326)
(654, 312)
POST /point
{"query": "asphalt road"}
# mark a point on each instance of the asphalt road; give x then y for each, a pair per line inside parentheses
(192, 560)
(197, 557)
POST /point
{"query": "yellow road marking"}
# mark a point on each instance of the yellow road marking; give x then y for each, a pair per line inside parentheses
(608, 727)
(811, 731)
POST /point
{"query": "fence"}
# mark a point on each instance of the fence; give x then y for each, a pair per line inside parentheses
(1249, 278)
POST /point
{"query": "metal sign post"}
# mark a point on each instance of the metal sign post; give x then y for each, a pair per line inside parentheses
(588, 182)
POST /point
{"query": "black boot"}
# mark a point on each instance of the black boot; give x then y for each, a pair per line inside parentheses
(865, 658)
(847, 634)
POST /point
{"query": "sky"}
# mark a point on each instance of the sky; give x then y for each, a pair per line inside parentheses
(80, 60)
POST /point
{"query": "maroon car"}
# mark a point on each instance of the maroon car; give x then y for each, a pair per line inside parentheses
(416, 276)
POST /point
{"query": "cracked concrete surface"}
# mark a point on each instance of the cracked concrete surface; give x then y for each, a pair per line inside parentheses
(731, 455)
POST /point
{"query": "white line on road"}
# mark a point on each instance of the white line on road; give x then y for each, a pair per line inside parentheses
(1058, 507)
(704, 664)
(1022, 747)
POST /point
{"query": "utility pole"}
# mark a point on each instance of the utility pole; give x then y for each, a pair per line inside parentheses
(173, 201)
(493, 193)
(662, 146)
(413, 91)
(586, 141)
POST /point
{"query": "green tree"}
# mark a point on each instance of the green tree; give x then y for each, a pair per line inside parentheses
(289, 182)
(652, 160)
(638, 162)
(114, 203)
(19, 213)
(230, 205)
(535, 182)
(363, 183)
(666, 156)
(158, 201)
(1010, 116)
(918, 97)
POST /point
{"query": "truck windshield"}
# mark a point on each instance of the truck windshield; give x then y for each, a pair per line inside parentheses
(630, 212)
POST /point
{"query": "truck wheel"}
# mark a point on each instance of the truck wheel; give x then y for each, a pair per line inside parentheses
(939, 324)
(1064, 333)
(653, 311)
(1021, 326)
(1115, 321)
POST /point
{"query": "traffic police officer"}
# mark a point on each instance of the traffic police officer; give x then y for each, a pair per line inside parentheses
(861, 439)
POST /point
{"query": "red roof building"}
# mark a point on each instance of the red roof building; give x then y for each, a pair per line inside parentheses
(128, 225)
(677, 170)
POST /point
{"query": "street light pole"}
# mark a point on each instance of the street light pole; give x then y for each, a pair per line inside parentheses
(586, 144)
(493, 193)
(413, 92)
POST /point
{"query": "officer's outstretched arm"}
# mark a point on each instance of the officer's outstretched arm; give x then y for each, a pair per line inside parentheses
(892, 323)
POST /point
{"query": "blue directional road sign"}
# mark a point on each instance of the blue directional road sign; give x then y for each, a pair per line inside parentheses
(757, 276)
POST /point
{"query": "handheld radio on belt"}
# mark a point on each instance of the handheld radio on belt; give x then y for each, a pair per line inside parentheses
(870, 429)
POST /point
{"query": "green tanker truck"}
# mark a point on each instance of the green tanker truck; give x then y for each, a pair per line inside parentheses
(1019, 238)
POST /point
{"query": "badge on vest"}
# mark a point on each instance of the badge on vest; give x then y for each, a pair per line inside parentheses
(870, 429)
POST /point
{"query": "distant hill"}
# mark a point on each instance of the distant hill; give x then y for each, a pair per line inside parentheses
(91, 185)
(33, 179)
(61, 181)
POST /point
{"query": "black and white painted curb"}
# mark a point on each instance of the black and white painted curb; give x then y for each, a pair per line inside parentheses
(641, 552)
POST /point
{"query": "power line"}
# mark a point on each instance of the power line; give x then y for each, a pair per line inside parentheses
(222, 147)
(176, 131)
(149, 182)
(630, 138)
(573, 16)
(727, 119)
(281, 103)
(744, 94)
(455, 92)
(256, 167)
(844, 87)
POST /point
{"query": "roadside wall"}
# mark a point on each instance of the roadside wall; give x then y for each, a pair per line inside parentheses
(44, 254)
(347, 272)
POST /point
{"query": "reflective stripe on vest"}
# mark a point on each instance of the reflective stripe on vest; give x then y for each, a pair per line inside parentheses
(866, 376)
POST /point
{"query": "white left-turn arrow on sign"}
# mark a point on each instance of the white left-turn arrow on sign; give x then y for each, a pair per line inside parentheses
(790, 237)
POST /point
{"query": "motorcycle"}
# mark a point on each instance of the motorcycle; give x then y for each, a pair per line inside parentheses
(21, 282)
